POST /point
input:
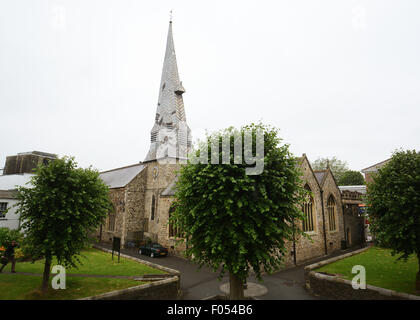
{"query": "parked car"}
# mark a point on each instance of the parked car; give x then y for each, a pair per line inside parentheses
(153, 250)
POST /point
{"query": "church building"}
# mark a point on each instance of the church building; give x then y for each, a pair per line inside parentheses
(142, 193)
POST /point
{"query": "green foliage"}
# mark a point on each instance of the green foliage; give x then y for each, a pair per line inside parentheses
(351, 178)
(25, 249)
(337, 167)
(64, 206)
(7, 236)
(232, 220)
(394, 200)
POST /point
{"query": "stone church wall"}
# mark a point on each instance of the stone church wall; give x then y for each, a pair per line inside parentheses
(311, 248)
(135, 208)
(159, 176)
(117, 197)
(307, 249)
(163, 234)
(333, 237)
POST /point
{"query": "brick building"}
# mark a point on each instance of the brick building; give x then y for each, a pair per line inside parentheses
(370, 171)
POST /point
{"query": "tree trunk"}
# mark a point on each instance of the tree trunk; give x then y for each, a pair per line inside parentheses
(46, 275)
(418, 275)
(236, 291)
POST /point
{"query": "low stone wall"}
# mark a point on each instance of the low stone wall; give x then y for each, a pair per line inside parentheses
(165, 288)
(333, 287)
(159, 290)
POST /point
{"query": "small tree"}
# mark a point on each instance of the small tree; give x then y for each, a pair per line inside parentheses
(233, 221)
(65, 205)
(394, 200)
(337, 167)
(351, 178)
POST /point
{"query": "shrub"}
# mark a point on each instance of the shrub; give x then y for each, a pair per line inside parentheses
(7, 236)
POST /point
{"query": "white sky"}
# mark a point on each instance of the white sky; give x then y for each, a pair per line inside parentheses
(81, 78)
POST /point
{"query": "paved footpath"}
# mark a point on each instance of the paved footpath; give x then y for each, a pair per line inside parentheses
(199, 284)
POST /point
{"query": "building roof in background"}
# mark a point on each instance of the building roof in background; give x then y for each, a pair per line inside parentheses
(11, 181)
(39, 153)
(360, 189)
(8, 194)
(375, 167)
(120, 177)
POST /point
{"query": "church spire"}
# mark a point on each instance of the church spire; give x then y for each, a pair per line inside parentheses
(170, 135)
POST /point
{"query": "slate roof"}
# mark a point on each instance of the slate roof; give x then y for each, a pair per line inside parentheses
(120, 177)
(319, 175)
(10, 181)
(170, 119)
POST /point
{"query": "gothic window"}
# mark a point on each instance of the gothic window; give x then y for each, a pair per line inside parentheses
(331, 213)
(111, 221)
(3, 208)
(152, 216)
(173, 231)
(307, 208)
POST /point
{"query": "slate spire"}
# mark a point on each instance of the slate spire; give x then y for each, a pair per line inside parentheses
(170, 135)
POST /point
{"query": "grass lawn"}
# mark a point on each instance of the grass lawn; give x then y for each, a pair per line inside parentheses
(94, 262)
(382, 269)
(21, 287)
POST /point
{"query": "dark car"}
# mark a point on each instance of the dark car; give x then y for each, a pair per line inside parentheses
(153, 250)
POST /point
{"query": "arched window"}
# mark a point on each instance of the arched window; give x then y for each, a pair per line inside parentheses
(152, 216)
(331, 213)
(173, 231)
(111, 221)
(307, 208)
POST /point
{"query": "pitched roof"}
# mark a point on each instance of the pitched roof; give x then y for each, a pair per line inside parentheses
(39, 153)
(320, 175)
(11, 181)
(120, 177)
(375, 166)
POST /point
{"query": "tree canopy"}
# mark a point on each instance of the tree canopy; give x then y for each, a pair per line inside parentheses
(233, 220)
(394, 205)
(351, 178)
(64, 206)
(337, 167)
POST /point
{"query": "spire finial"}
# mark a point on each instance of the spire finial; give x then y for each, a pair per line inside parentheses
(170, 16)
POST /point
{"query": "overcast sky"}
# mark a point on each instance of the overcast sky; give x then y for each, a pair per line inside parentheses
(81, 78)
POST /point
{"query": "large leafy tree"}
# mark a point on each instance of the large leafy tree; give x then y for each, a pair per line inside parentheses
(234, 221)
(337, 167)
(351, 178)
(61, 210)
(394, 205)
